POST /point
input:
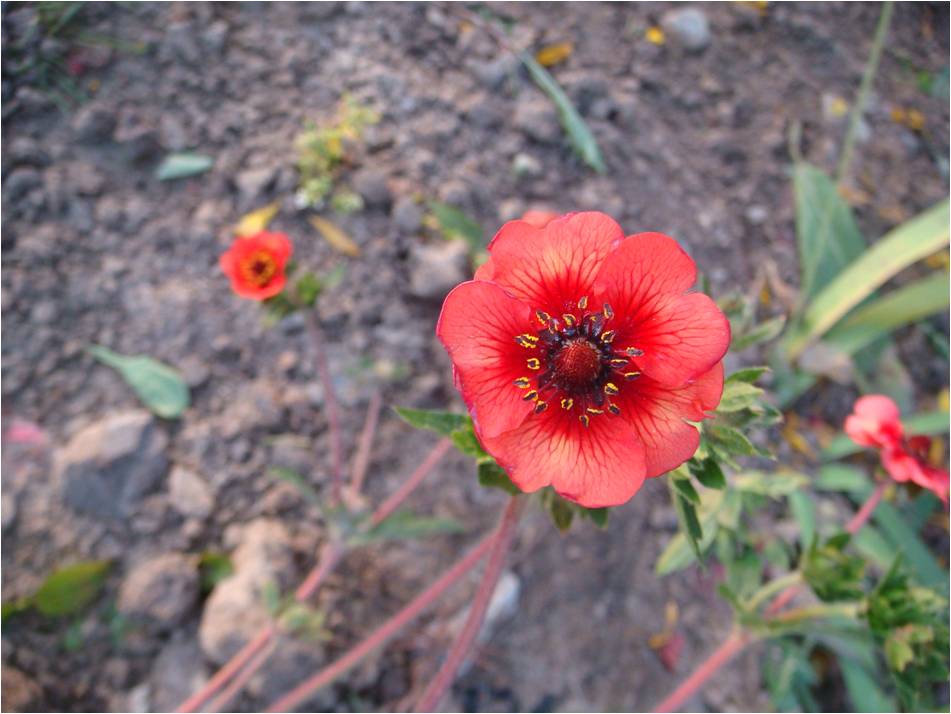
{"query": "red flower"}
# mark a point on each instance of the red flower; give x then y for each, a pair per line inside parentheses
(256, 264)
(539, 219)
(875, 421)
(582, 358)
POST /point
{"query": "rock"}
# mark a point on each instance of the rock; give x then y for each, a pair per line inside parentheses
(108, 466)
(757, 214)
(189, 493)
(20, 182)
(407, 216)
(161, 591)
(20, 693)
(215, 36)
(85, 179)
(253, 183)
(687, 26)
(494, 74)
(266, 551)
(436, 269)
(537, 119)
(503, 605)
(181, 42)
(24, 151)
(94, 124)
(179, 671)
(526, 166)
(194, 370)
(372, 186)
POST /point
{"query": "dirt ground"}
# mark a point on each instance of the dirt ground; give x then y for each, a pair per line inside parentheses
(96, 250)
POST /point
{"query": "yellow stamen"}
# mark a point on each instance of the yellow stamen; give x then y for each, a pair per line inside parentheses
(608, 337)
(567, 403)
(611, 388)
(533, 363)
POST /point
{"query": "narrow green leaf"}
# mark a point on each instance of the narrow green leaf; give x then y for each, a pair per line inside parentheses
(689, 523)
(827, 234)
(763, 332)
(804, 511)
(906, 305)
(183, 165)
(213, 568)
(582, 140)
(443, 423)
(404, 525)
(491, 475)
(913, 240)
(916, 555)
(160, 388)
(840, 477)
(681, 482)
(863, 689)
(747, 374)
(707, 472)
(466, 441)
(679, 553)
(598, 516)
(70, 589)
(454, 224)
(773, 484)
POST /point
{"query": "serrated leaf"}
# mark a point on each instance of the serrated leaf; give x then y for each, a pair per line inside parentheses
(70, 589)
(747, 374)
(731, 441)
(256, 221)
(737, 396)
(898, 652)
(336, 237)
(491, 475)
(160, 388)
(582, 140)
(442, 422)
(763, 332)
(773, 484)
(687, 516)
(183, 165)
(466, 441)
(404, 525)
(708, 473)
(456, 225)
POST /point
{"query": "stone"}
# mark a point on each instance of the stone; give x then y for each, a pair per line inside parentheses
(24, 151)
(215, 36)
(180, 42)
(495, 73)
(19, 692)
(407, 216)
(436, 269)
(85, 179)
(688, 27)
(108, 466)
(194, 370)
(253, 183)
(178, 672)
(161, 591)
(536, 118)
(20, 182)
(372, 186)
(189, 493)
(526, 166)
(94, 124)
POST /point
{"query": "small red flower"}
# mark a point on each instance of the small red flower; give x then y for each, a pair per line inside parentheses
(256, 264)
(582, 358)
(539, 219)
(875, 421)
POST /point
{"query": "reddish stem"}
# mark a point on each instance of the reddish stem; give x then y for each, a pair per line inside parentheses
(330, 400)
(362, 459)
(237, 684)
(480, 604)
(739, 640)
(385, 509)
(327, 675)
(330, 555)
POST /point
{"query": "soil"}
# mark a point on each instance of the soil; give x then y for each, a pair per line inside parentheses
(96, 250)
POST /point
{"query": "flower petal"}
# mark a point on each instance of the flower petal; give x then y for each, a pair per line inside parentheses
(551, 266)
(601, 465)
(874, 421)
(657, 415)
(478, 326)
(682, 335)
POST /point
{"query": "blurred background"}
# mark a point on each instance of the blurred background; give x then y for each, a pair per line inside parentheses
(136, 137)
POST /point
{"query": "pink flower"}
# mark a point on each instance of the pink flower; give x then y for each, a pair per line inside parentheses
(876, 422)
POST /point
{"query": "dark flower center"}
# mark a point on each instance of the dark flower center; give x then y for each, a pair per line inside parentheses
(576, 362)
(258, 268)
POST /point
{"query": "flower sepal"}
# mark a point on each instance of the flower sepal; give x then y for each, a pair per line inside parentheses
(563, 511)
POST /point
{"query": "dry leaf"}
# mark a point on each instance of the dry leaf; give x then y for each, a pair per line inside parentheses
(553, 54)
(256, 221)
(654, 35)
(337, 238)
(794, 438)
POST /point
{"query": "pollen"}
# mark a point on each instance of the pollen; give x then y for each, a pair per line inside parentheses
(533, 363)
(540, 407)
(543, 317)
(569, 319)
(607, 311)
(629, 376)
(527, 341)
(608, 336)
(611, 388)
(614, 409)
(530, 396)
(567, 403)
(523, 383)
(584, 420)
(594, 410)
(634, 352)
(583, 302)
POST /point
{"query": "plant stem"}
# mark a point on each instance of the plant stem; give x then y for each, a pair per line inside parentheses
(813, 612)
(330, 400)
(362, 459)
(383, 633)
(738, 640)
(732, 646)
(434, 693)
(774, 586)
(237, 684)
(385, 509)
(330, 555)
(871, 67)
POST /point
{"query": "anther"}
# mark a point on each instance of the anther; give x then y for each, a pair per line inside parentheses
(567, 403)
(523, 383)
(543, 317)
(618, 361)
(607, 311)
(611, 388)
(528, 341)
(608, 337)
(631, 375)
(634, 352)
(533, 363)
(540, 407)
(530, 396)
(592, 410)
(584, 420)
(614, 409)
(583, 302)
(569, 320)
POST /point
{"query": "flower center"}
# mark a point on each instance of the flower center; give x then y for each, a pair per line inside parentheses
(576, 362)
(258, 268)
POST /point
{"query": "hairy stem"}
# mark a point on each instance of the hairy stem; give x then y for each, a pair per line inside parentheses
(383, 633)
(362, 458)
(385, 509)
(480, 604)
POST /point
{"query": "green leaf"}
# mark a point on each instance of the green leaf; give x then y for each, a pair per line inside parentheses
(863, 690)
(707, 472)
(738, 395)
(561, 513)
(748, 375)
(679, 553)
(898, 651)
(763, 332)
(913, 240)
(924, 424)
(689, 523)
(183, 165)
(681, 482)
(15, 607)
(804, 511)
(404, 525)
(454, 224)
(839, 477)
(826, 231)
(308, 287)
(582, 140)
(773, 484)
(491, 475)
(70, 589)
(443, 423)
(916, 554)
(271, 595)
(598, 516)
(213, 568)
(731, 441)
(466, 441)
(160, 388)
(831, 572)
